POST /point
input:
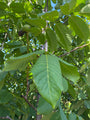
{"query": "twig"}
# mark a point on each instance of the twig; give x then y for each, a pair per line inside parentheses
(46, 43)
(75, 49)
(28, 102)
(7, 117)
(27, 78)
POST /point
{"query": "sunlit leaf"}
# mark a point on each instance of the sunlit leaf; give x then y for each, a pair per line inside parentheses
(69, 71)
(64, 37)
(48, 78)
(80, 27)
(52, 39)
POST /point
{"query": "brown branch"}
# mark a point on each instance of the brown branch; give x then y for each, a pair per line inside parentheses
(28, 102)
(27, 78)
(7, 117)
(75, 49)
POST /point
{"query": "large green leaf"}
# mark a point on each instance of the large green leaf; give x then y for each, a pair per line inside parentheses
(80, 27)
(69, 71)
(52, 39)
(64, 36)
(51, 16)
(85, 10)
(21, 62)
(48, 78)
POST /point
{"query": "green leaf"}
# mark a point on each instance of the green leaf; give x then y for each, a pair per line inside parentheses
(4, 111)
(3, 5)
(67, 8)
(5, 96)
(21, 62)
(72, 116)
(88, 77)
(64, 36)
(87, 103)
(65, 85)
(35, 31)
(51, 16)
(17, 7)
(52, 39)
(2, 12)
(48, 78)
(69, 71)
(38, 22)
(43, 107)
(63, 116)
(80, 27)
(55, 116)
(80, 1)
(2, 75)
(85, 10)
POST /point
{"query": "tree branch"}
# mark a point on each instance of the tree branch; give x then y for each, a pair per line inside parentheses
(27, 78)
(75, 49)
(7, 117)
(28, 102)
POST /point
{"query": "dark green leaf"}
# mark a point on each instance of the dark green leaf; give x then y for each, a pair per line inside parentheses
(5, 96)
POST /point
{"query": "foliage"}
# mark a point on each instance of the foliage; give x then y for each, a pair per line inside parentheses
(44, 59)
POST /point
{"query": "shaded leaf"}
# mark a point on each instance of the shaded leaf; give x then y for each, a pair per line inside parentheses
(4, 111)
(87, 103)
(72, 116)
(5, 96)
(62, 114)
